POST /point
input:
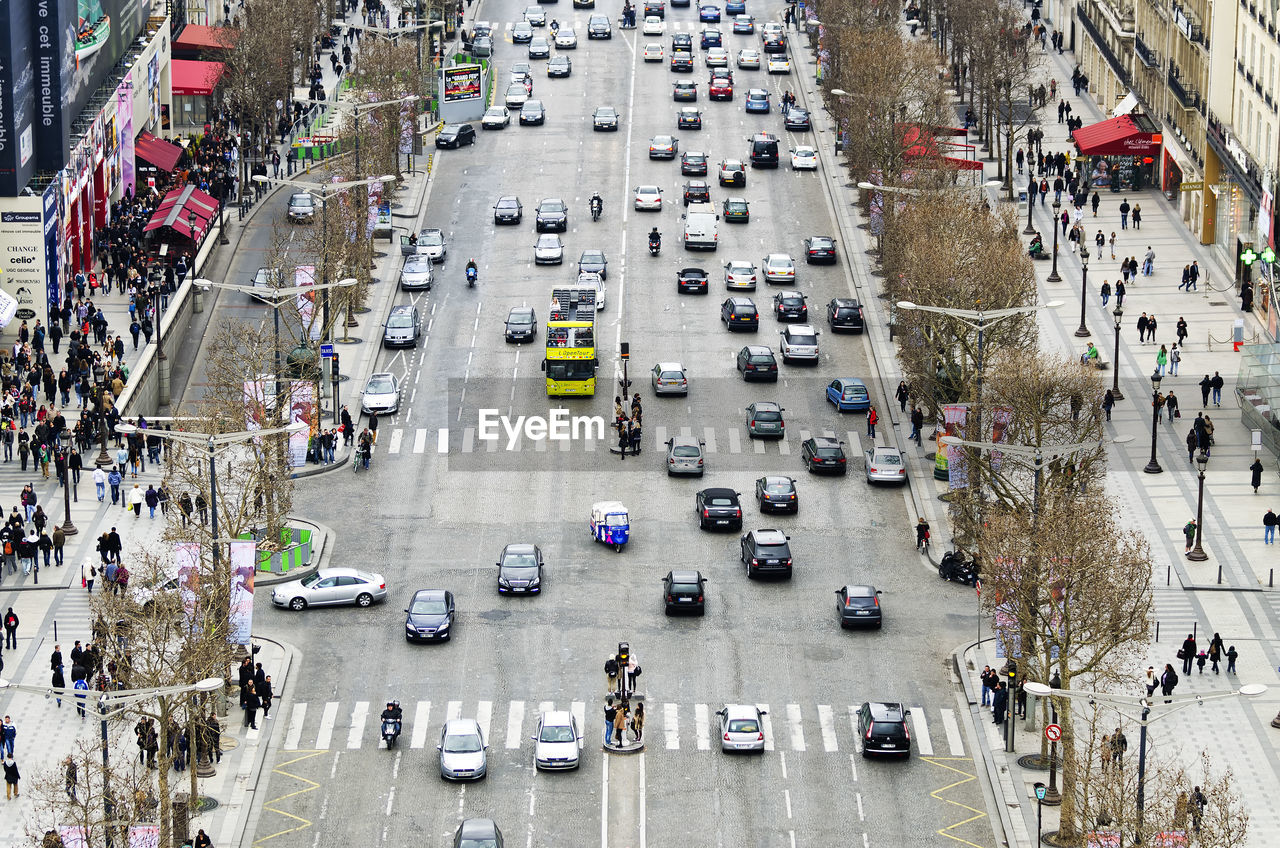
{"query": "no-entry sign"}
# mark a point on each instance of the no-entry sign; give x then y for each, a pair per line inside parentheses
(1053, 732)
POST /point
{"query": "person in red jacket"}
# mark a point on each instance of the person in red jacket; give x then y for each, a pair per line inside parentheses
(872, 418)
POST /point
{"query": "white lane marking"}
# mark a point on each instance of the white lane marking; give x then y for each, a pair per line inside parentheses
(784, 447)
(671, 726)
(796, 722)
(861, 815)
(853, 725)
(453, 710)
(396, 436)
(579, 710)
(391, 797)
(735, 441)
(359, 714)
(827, 721)
(853, 767)
(923, 742)
(327, 720)
(442, 440)
(644, 834)
(702, 723)
(421, 718)
(484, 718)
(468, 439)
(515, 723)
(296, 719)
(954, 740)
(757, 446)
(709, 437)
(420, 440)
(767, 722)
(604, 802)
(786, 796)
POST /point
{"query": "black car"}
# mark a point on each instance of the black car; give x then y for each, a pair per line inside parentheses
(696, 191)
(605, 118)
(689, 118)
(477, 833)
(681, 42)
(777, 494)
(756, 362)
(508, 210)
(684, 590)
(858, 606)
(823, 453)
(883, 730)
(820, 249)
(532, 112)
(522, 324)
(693, 164)
(797, 119)
(456, 135)
(598, 26)
(739, 313)
(691, 281)
(845, 313)
(774, 42)
(552, 216)
(790, 306)
(520, 570)
(593, 262)
(655, 7)
(429, 616)
(682, 62)
(718, 508)
(766, 552)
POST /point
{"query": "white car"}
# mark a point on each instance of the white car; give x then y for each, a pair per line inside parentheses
(779, 64)
(654, 25)
(516, 96)
(566, 38)
(653, 52)
(740, 275)
(431, 243)
(549, 250)
(592, 280)
(495, 118)
(535, 16)
(648, 197)
(521, 73)
(779, 268)
(804, 158)
(717, 57)
(669, 378)
(557, 742)
(799, 341)
(741, 727)
(749, 59)
(381, 394)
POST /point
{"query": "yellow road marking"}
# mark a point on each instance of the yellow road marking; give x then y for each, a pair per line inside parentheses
(966, 777)
(310, 786)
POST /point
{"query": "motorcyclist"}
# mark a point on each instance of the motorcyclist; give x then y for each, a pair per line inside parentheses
(655, 238)
(473, 271)
(394, 714)
(555, 27)
(597, 204)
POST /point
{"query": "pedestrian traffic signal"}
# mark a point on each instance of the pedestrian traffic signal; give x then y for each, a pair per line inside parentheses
(624, 349)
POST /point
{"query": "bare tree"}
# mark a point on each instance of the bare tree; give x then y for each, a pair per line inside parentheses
(83, 793)
(258, 71)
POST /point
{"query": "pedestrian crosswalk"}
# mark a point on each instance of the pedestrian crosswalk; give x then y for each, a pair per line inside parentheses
(798, 728)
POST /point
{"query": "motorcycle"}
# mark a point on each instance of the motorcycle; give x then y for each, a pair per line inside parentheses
(956, 568)
(655, 247)
(472, 273)
(390, 731)
(595, 211)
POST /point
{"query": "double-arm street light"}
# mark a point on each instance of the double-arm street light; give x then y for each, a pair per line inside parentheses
(1117, 314)
(1174, 704)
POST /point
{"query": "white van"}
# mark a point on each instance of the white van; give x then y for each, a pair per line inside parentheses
(700, 229)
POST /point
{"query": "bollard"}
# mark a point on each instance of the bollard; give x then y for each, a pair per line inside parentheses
(1157, 630)
(55, 630)
(1271, 579)
(1168, 575)
(1195, 629)
(1219, 575)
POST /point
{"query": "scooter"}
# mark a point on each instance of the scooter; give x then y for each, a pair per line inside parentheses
(595, 211)
(471, 277)
(655, 247)
(954, 567)
(390, 731)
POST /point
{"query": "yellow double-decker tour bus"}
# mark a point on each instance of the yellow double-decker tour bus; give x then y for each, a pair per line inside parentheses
(571, 343)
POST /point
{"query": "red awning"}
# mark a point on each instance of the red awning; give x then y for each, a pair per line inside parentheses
(176, 208)
(923, 144)
(1127, 135)
(197, 37)
(163, 154)
(194, 78)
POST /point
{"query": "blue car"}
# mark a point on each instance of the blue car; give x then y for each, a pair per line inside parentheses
(849, 395)
(735, 7)
(711, 38)
(709, 13)
(757, 100)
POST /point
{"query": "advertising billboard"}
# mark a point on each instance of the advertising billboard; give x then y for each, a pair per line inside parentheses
(17, 97)
(462, 83)
(22, 257)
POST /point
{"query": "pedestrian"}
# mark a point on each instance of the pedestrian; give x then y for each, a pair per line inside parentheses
(902, 394)
(1105, 752)
(1151, 328)
(1113, 245)
(1205, 386)
(1187, 653)
(267, 694)
(1108, 402)
(922, 535)
(1100, 240)
(1095, 201)
(1255, 478)
(985, 678)
(917, 423)
(620, 725)
(1124, 214)
(1195, 274)
(1137, 216)
(1162, 360)
(1149, 262)
(1216, 384)
(373, 426)
(1106, 292)
(136, 497)
(1181, 331)
(152, 499)
(1189, 530)
(1119, 744)
(1186, 278)
(610, 712)
(637, 721)
(1215, 651)
(1152, 681)
(999, 703)
(203, 840)
(100, 483)
(1231, 659)
(1143, 322)
(1120, 292)
(10, 629)
(1171, 406)
(623, 439)
(8, 735)
(251, 704)
(59, 680)
(11, 778)
(1175, 358)
(69, 777)
(872, 418)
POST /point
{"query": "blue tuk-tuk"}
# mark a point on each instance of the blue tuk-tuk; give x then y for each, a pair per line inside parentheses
(610, 523)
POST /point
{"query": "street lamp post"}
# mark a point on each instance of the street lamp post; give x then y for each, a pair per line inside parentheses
(1197, 554)
(1115, 359)
(1053, 274)
(1031, 206)
(1082, 330)
(1153, 467)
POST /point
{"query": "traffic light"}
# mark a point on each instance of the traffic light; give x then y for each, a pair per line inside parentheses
(624, 654)
(624, 349)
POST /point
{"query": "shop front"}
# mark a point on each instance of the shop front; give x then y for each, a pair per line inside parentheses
(193, 86)
(1122, 153)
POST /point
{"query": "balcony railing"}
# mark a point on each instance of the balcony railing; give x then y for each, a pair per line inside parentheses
(1229, 150)
(1145, 53)
(1186, 94)
(1100, 41)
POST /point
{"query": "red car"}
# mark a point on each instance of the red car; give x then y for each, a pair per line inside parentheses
(721, 88)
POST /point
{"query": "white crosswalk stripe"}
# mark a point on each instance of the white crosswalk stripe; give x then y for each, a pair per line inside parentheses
(955, 742)
(397, 436)
(421, 719)
(294, 734)
(330, 717)
(671, 725)
(923, 743)
(702, 722)
(827, 723)
(484, 718)
(515, 720)
(768, 726)
(420, 440)
(796, 724)
(359, 714)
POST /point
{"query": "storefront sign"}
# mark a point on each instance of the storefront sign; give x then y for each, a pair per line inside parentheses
(22, 257)
(1195, 186)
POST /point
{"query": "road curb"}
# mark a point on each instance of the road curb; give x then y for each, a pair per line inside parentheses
(973, 718)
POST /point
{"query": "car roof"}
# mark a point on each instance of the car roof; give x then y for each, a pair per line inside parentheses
(741, 711)
(785, 293)
(887, 450)
(825, 442)
(739, 262)
(741, 301)
(778, 257)
(800, 330)
(765, 406)
(770, 537)
(343, 571)
(845, 301)
(473, 828)
(860, 590)
(403, 308)
(519, 548)
(886, 711)
(521, 310)
(770, 479)
(718, 493)
(819, 238)
(691, 270)
(685, 441)
(461, 725)
(508, 198)
(757, 350)
(382, 374)
(430, 595)
(670, 366)
(686, 576)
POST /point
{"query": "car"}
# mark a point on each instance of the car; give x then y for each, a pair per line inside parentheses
(584, 4)
(462, 750)
(429, 616)
(779, 268)
(669, 378)
(883, 729)
(455, 135)
(158, 592)
(740, 313)
(773, 38)
(766, 552)
(757, 100)
(717, 57)
(481, 46)
(858, 606)
(539, 48)
(495, 118)
(735, 7)
(741, 727)
(718, 508)
(820, 250)
(508, 210)
(416, 273)
(522, 324)
(778, 63)
(748, 59)
(656, 8)
(431, 243)
(849, 394)
(720, 87)
(522, 32)
(477, 833)
(681, 63)
(593, 262)
(302, 208)
(799, 342)
(710, 38)
(402, 327)
(653, 25)
(265, 279)
(885, 465)
(797, 120)
(681, 42)
(685, 456)
(804, 158)
(709, 13)
(693, 164)
(733, 173)
(740, 275)
(604, 118)
(756, 362)
(684, 591)
(736, 209)
(591, 280)
(515, 96)
(556, 741)
(552, 215)
(559, 66)
(845, 313)
(764, 418)
(548, 250)
(824, 453)
(696, 191)
(381, 394)
(790, 305)
(688, 118)
(598, 26)
(744, 25)
(535, 16)
(684, 91)
(521, 73)
(520, 570)
(663, 147)
(331, 587)
(776, 493)
(648, 198)
(566, 39)
(691, 281)
(653, 52)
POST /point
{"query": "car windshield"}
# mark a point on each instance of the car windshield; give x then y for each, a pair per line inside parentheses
(478, 843)
(687, 451)
(552, 206)
(886, 728)
(852, 392)
(431, 238)
(427, 606)
(744, 725)
(302, 201)
(804, 340)
(418, 264)
(768, 415)
(556, 733)
(720, 501)
(519, 561)
(400, 322)
(778, 488)
(465, 743)
(506, 204)
(593, 256)
(381, 384)
(524, 316)
(887, 459)
(671, 375)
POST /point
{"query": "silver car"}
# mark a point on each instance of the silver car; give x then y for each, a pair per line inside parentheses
(496, 118)
(302, 208)
(669, 378)
(329, 587)
(462, 750)
(885, 465)
(741, 727)
(764, 418)
(799, 342)
(749, 59)
(685, 455)
(516, 96)
(557, 741)
(549, 250)
(381, 394)
(416, 275)
(779, 268)
(740, 276)
(431, 243)
(401, 329)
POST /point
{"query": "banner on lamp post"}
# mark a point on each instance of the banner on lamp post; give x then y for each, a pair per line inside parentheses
(244, 565)
(187, 557)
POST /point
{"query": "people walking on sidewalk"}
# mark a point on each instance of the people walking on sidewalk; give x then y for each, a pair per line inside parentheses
(1124, 214)
(10, 629)
(1108, 403)
(872, 418)
(1171, 407)
(999, 703)
(1189, 530)
(1149, 262)
(1162, 360)
(1216, 384)
(1151, 328)
(1206, 385)
(8, 736)
(1255, 478)
(1105, 291)
(1215, 651)
(1169, 679)
(1120, 292)
(1187, 653)
(917, 423)
(1143, 322)
(11, 778)
(1175, 359)
(1100, 240)
(1137, 216)
(1232, 655)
